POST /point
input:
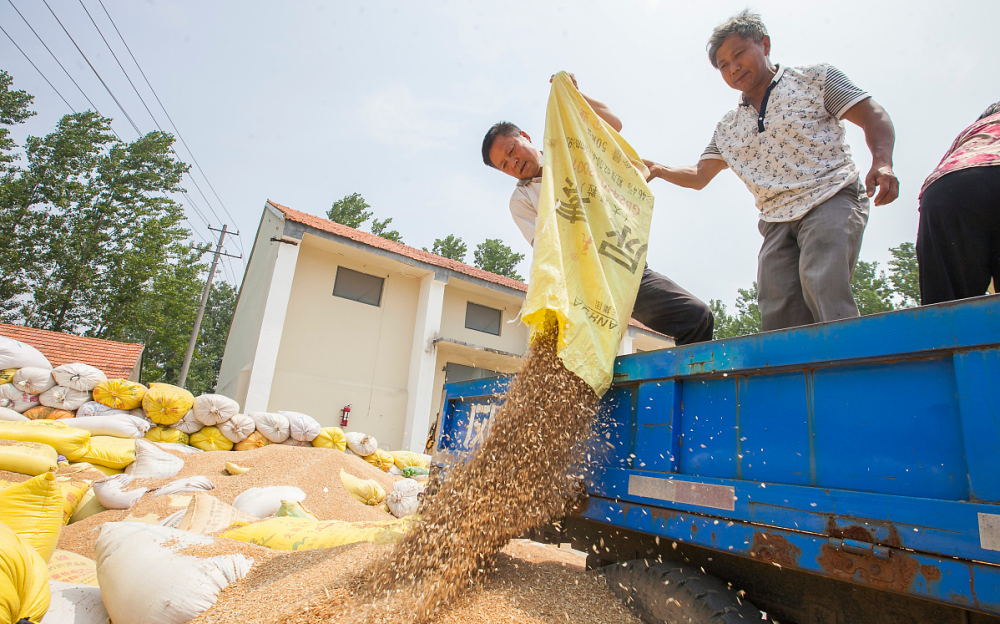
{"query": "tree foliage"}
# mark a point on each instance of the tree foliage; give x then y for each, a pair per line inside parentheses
(381, 228)
(871, 289)
(493, 256)
(351, 210)
(904, 275)
(14, 109)
(451, 247)
(746, 320)
(91, 243)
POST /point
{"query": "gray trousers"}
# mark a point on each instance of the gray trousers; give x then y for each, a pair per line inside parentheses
(805, 266)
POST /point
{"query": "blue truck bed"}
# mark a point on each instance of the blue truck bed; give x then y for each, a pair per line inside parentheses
(864, 451)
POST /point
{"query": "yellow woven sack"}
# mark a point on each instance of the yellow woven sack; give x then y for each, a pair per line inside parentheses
(120, 393)
(368, 491)
(292, 509)
(331, 437)
(167, 434)
(405, 459)
(24, 579)
(69, 567)
(43, 412)
(591, 236)
(382, 460)
(211, 439)
(6, 375)
(69, 442)
(302, 534)
(34, 510)
(110, 452)
(254, 441)
(88, 506)
(166, 404)
(30, 458)
(72, 492)
(106, 470)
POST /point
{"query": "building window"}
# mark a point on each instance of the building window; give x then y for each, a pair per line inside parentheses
(483, 319)
(358, 286)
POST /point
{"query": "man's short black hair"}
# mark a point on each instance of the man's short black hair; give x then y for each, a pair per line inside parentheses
(992, 110)
(501, 128)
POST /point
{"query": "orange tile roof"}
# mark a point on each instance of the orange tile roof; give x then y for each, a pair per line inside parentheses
(115, 359)
(427, 257)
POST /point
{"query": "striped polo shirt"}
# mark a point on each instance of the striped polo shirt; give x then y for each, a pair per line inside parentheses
(793, 155)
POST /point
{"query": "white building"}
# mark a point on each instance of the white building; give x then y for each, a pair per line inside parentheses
(330, 316)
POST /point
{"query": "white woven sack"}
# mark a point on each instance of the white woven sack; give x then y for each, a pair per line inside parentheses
(185, 486)
(9, 415)
(145, 580)
(12, 398)
(33, 380)
(111, 493)
(212, 409)
(402, 504)
(189, 424)
(261, 502)
(237, 428)
(179, 448)
(301, 427)
(152, 462)
(17, 354)
(64, 398)
(93, 408)
(74, 603)
(271, 425)
(78, 376)
(173, 519)
(294, 442)
(118, 426)
(361, 444)
(408, 487)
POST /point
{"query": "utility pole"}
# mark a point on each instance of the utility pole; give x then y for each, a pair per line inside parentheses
(204, 302)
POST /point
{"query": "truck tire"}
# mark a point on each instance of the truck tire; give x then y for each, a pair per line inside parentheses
(672, 593)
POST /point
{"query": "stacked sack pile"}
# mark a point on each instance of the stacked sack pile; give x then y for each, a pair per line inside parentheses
(74, 444)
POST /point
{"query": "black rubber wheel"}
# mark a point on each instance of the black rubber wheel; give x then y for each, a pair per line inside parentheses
(672, 593)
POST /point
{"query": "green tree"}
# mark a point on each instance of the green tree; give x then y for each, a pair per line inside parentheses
(904, 275)
(14, 109)
(493, 256)
(351, 210)
(871, 289)
(451, 247)
(380, 228)
(211, 345)
(746, 320)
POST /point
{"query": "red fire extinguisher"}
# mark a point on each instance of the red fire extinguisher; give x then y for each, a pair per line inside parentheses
(346, 416)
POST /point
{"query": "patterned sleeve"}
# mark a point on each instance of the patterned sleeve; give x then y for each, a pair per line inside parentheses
(839, 93)
(712, 151)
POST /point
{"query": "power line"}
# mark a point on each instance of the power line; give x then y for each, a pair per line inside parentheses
(173, 125)
(94, 69)
(36, 68)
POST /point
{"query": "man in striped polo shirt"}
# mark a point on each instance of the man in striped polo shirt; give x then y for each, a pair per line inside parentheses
(787, 143)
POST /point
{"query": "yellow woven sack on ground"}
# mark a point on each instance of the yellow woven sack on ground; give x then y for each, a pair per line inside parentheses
(207, 514)
(69, 567)
(110, 452)
(292, 509)
(34, 510)
(591, 236)
(167, 434)
(382, 460)
(331, 437)
(6, 375)
(254, 441)
(88, 506)
(166, 404)
(72, 492)
(211, 439)
(106, 470)
(120, 393)
(43, 412)
(405, 459)
(69, 442)
(30, 458)
(302, 534)
(24, 579)
(368, 491)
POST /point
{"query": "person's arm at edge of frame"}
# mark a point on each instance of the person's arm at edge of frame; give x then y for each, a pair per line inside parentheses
(602, 109)
(696, 177)
(881, 138)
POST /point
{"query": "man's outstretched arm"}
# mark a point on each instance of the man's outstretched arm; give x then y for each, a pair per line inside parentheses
(696, 177)
(602, 109)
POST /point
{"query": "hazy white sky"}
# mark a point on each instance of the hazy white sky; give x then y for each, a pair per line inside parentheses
(306, 102)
